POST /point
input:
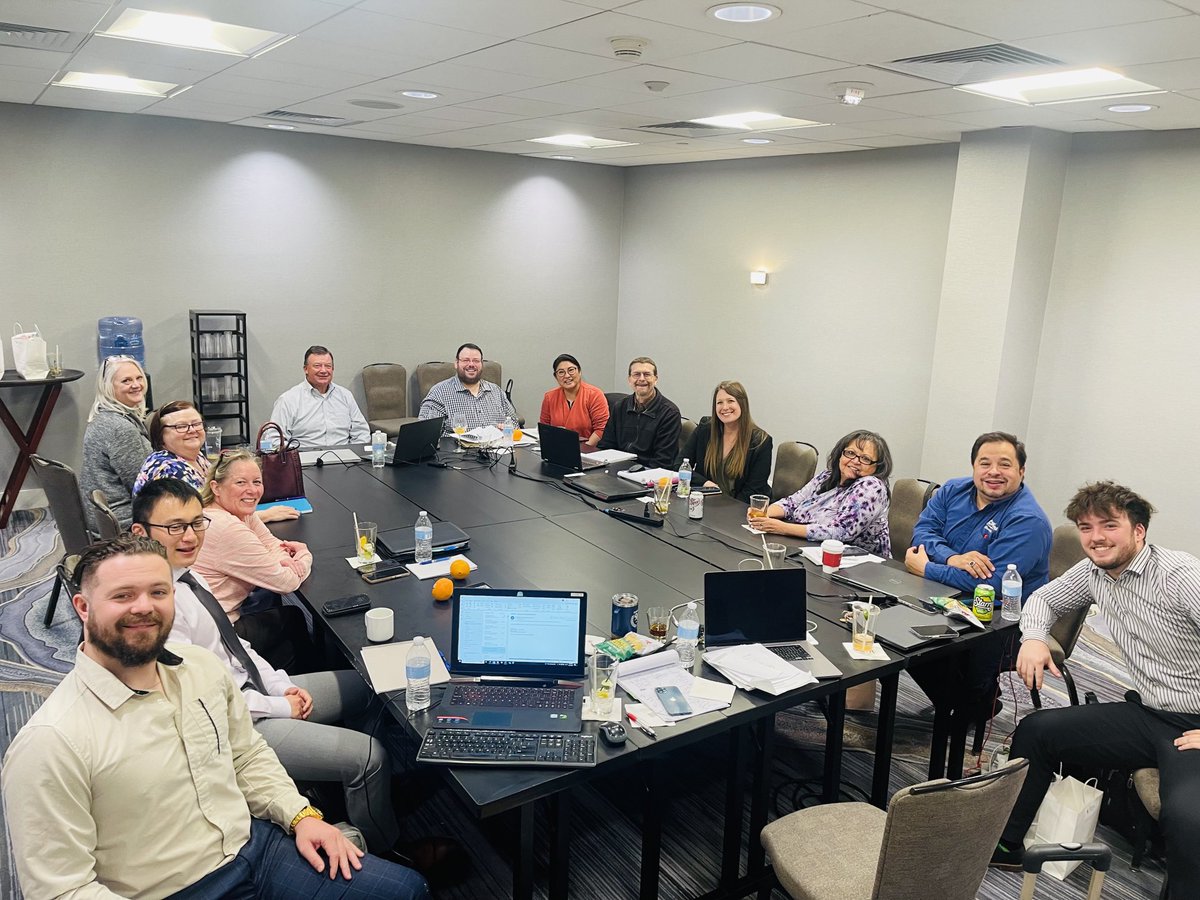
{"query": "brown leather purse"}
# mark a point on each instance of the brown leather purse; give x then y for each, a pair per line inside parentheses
(283, 478)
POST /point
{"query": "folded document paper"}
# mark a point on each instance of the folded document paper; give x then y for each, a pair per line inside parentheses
(754, 667)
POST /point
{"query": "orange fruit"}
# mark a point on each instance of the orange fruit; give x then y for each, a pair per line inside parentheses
(443, 589)
(517, 434)
(459, 569)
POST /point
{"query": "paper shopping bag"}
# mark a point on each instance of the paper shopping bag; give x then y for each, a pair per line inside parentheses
(1069, 813)
(29, 353)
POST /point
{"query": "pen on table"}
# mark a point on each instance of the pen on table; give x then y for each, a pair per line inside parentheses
(642, 726)
(451, 549)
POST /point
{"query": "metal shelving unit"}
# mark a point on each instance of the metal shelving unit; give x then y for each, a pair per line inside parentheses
(220, 382)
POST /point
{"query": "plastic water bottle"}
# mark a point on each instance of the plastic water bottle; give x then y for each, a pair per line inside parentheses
(685, 479)
(378, 449)
(416, 670)
(509, 427)
(1010, 594)
(687, 633)
(424, 536)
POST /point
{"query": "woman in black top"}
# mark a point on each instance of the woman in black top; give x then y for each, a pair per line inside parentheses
(727, 450)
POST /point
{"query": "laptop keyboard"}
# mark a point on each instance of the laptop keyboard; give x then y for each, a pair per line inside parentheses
(507, 748)
(513, 697)
(791, 652)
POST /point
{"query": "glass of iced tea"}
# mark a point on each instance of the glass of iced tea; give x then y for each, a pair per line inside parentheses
(758, 505)
(662, 496)
(865, 617)
(660, 620)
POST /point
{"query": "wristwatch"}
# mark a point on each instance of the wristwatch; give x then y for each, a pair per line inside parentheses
(307, 812)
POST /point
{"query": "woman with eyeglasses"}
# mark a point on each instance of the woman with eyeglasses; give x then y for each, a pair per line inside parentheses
(247, 567)
(727, 450)
(177, 436)
(575, 404)
(848, 501)
(115, 443)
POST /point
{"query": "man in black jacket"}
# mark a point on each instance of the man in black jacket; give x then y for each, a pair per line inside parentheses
(645, 422)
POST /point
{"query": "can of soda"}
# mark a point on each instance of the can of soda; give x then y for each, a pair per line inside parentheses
(624, 614)
(695, 505)
(984, 602)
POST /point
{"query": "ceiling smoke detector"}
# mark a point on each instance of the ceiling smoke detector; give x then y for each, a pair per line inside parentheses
(657, 86)
(628, 47)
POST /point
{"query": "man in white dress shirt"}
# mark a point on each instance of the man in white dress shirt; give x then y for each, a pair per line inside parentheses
(317, 412)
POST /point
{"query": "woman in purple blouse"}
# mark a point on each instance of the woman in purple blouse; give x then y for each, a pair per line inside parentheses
(848, 501)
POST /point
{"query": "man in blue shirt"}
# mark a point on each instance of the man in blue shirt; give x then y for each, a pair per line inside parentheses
(972, 529)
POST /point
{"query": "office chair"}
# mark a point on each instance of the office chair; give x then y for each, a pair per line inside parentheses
(386, 388)
(910, 496)
(795, 465)
(840, 850)
(106, 522)
(686, 427)
(66, 506)
(1065, 551)
(428, 374)
(1146, 785)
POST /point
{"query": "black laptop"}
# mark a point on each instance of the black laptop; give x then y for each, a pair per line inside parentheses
(417, 441)
(560, 447)
(401, 543)
(524, 652)
(768, 607)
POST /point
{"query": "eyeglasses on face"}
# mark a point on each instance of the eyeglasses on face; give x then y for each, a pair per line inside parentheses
(470, 362)
(850, 456)
(569, 370)
(641, 375)
(178, 528)
(185, 427)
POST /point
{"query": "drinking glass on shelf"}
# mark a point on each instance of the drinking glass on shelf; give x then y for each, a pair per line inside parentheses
(458, 423)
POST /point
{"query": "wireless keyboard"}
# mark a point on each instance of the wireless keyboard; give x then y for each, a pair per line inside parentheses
(470, 747)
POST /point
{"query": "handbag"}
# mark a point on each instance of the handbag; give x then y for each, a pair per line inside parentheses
(29, 354)
(1069, 813)
(283, 478)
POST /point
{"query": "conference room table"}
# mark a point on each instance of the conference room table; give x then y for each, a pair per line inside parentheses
(528, 531)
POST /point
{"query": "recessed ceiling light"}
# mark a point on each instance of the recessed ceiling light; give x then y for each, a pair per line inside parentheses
(583, 141)
(117, 84)
(283, 127)
(757, 141)
(376, 104)
(192, 32)
(1061, 87)
(756, 121)
(562, 157)
(743, 13)
(421, 95)
(1131, 107)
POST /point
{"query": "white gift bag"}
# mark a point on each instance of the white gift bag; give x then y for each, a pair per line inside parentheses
(1069, 813)
(29, 354)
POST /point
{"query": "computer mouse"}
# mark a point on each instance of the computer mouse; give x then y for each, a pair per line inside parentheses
(636, 467)
(613, 734)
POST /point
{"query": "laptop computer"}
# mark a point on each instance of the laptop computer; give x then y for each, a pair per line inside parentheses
(560, 447)
(768, 607)
(525, 648)
(417, 440)
(894, 626)
(605, 487)
(401, 543)
(877, 578)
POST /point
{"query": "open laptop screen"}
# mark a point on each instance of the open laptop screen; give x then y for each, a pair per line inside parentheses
(537, 634)
(761, 606)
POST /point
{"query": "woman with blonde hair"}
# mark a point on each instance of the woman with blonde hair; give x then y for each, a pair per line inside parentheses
(727, 450)
(116, 442)
(247, 567)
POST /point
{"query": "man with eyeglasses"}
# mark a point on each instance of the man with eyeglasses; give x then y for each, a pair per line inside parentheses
(294, 715)
(465, 394)
(317, 412)
(970, 532)
(645, 422)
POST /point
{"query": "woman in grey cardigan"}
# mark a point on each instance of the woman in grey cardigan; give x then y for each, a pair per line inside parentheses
(116, 442)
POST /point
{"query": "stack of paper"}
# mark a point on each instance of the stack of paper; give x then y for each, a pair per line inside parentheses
(386, 665)
(640, 676)
(608, 457)
(754, 667)
(491, 436)
(650, 477)
(813, 555)
(438, 568)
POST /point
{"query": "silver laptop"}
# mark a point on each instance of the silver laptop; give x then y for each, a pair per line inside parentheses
(878, 578)
(768, 607)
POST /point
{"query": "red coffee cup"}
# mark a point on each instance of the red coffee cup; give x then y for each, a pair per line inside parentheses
(831, 555)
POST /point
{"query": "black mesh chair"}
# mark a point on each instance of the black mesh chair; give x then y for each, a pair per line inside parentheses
(66, 505)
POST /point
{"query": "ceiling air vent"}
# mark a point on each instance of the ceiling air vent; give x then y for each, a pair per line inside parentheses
(688, 129)
(283, 115)
(973, 64)
(32, 37)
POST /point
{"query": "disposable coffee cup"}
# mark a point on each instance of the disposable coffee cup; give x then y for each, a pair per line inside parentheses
(381, 625)
(831, 555)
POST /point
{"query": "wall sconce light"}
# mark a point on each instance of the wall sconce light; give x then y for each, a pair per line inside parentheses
(758, 277)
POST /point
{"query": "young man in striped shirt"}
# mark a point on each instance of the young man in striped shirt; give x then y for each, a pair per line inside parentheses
(1150, 598)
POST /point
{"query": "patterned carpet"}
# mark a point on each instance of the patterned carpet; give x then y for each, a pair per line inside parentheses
(605, 817)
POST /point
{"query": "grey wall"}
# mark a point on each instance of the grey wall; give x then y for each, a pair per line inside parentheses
(383, 252)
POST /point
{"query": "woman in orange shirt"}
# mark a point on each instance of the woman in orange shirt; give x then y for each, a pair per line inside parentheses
(575, 404)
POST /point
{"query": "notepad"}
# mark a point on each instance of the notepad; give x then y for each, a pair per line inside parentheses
(439, 568)
(298, 503)
(385, 665)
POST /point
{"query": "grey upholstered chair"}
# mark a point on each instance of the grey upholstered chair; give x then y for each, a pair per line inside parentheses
(1146, 784)
(795, 465)
(1065, 551)
(686, 427)
(854, 850)
(106, 522)
(430, 373)
(386, 389)
(909, 499)
(66, 505)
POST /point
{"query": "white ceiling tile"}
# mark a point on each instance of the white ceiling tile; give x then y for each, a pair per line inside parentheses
(750, 62)
(226, 86)
(537, 61)
(893, 140)
(1172, 111)
(453, 75)
(839, 113)
(633, 81)
(326, 80)
(939, 102)
(399, 36)
(935, 129)
(1177, 75)
(469, 117)
(283, 16)
(62, 15)
(797, 15)
(208, 112)
(504, 20)
(608, 118)
(103, 54)
(306, 50)
(575, 95)
(878, 38)
(41, 60)
(1100, 125)
(1016, 19)
(1039, 116)
(591, 35)
(1128, 45)
(18, 91)
(76, 98)
(883, 82)
(517, 106)
(25, 75)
